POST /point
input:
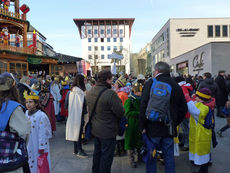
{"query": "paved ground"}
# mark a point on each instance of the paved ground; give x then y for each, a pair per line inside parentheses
(63, 161)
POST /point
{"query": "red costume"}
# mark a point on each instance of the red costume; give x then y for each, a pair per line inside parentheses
(64, 112)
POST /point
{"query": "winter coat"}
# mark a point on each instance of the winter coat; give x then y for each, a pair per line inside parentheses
(109, 110)
(210, 84)
(132, 133)
(222, 94)
(178, 108)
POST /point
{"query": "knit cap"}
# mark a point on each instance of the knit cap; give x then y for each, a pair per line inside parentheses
(121, 81)
(204, 94)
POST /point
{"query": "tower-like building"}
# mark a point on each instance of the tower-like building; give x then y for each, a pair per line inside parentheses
(103, 36)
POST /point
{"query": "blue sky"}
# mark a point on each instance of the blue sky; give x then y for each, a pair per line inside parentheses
(54, 18)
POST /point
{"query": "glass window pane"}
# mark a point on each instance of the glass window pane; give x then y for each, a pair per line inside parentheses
(225, 30)
(12, 65)
(210, 31)
(217, 28)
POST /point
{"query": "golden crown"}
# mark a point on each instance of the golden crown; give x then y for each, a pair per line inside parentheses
(31, 96)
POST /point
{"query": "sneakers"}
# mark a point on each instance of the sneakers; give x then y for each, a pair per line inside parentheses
(81, 154)
(219, 133)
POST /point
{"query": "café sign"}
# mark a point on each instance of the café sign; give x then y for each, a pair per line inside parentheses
(198, 62)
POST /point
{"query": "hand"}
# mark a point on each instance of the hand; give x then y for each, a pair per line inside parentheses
(143, 131)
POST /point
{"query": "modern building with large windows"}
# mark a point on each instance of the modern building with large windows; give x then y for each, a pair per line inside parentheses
(101, 37)
(179, 36)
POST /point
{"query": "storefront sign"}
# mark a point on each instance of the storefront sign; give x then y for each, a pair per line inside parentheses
(187, 32)
(34, 60)
(198, 62)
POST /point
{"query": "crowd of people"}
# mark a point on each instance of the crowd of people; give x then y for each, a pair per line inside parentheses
(146, 118)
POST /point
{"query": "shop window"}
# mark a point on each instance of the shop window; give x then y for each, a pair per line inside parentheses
(18, 67)
(225, 30)
(3, 67)
(217, 30)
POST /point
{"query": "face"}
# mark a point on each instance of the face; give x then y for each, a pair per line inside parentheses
(30, 104)
(28, 82)
(155, 73)
(199, 100)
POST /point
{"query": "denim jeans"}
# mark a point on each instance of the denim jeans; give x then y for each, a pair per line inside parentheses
(103, 155)
(167, 147)
(185, 128)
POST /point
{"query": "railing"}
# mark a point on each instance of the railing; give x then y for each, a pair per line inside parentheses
(11, 14)
(26, 50)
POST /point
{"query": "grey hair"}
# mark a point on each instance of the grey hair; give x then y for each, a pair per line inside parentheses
(24, 79)
(162, 67)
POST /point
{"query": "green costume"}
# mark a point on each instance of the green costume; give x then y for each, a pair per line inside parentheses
(132, 133)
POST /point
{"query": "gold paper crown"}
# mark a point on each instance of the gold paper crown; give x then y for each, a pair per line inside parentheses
(63, 83)
(31, 96)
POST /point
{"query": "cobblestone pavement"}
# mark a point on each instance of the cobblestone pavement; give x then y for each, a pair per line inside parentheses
(63, 160)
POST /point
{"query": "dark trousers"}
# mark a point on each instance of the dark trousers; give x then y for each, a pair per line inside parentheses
(103, 155)
(167, 147)
(219, 112)
(203, 168)
(77, 144)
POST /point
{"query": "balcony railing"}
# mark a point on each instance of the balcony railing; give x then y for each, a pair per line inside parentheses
(26, 50)
(12, 14)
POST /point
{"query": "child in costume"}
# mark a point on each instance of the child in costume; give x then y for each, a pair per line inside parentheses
(40, 132)
(64, 91)
(132, 133)
(199, 135)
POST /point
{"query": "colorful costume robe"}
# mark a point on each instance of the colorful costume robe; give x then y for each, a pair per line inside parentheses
(40, 134)
(199, 137)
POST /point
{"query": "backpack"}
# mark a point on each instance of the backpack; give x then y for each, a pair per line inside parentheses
(13, 151)
(158, 109)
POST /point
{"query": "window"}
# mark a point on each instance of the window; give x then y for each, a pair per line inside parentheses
(225, 30)
(121, 31)
(108, 39)
(102, 31)
(96, 56)
(108, 56)
(95, 31)
(114, 31)
(108, 48)
(89, 31)
(89, 48)
(115, 48)
(89, 56)
(114, 39)
(102, 40)
(3, 66)
(121, 48)
(121, 39)
(18, 67)
(95, 40)
(95, 48)
(89, 40)
(108, 31)
(210, 31)
(102, 48)
(102, 56)
(217, 29)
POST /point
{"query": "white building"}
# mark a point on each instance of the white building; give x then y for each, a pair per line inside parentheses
(179, 36)
(102, 37)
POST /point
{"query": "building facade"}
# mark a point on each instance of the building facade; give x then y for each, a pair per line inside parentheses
(210, 57)
(179, 36)
(102, 37)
